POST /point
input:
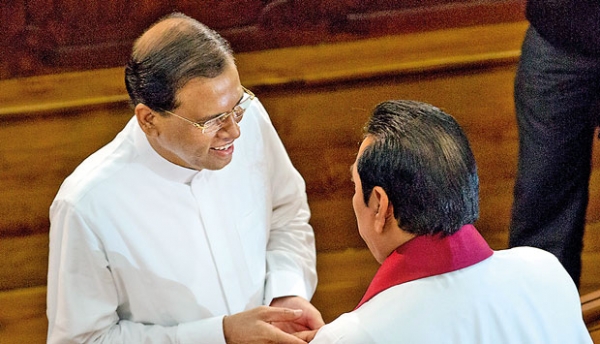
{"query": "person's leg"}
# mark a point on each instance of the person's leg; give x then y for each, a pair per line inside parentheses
(554, 92)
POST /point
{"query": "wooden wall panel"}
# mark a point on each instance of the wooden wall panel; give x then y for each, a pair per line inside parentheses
(322, 129)
(25, 261)
(23, 316)
(319, 97)
(50, 36)
(319, 109)
(38, 152)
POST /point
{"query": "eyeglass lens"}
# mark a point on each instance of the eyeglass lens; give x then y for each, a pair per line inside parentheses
(237, 112)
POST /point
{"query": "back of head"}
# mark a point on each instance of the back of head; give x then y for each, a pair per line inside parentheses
(422, 159)
(170, 53)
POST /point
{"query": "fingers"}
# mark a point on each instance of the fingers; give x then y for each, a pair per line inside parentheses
(306, 336)
(276, 314)
(253, 326)
(311, 317)
(314, 319)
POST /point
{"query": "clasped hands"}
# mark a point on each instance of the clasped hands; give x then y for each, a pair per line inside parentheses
(288, 320)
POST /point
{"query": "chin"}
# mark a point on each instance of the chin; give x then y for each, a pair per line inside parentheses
(215, 166)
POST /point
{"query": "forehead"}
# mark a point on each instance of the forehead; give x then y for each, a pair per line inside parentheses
(211, 96)
(364, 144)
(223, 83)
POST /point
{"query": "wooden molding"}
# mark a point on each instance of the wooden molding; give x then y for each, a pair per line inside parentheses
(49, 37)
(437, 51)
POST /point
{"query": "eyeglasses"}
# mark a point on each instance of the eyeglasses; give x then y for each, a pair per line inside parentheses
(213, 125)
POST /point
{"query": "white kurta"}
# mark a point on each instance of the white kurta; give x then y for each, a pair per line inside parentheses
(145, 251)
(518, 296)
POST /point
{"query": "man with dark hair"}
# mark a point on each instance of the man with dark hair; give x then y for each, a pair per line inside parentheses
(165, 235)
(415, 200)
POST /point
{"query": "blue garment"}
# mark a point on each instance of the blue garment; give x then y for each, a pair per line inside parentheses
(557, 93)
(573, 25)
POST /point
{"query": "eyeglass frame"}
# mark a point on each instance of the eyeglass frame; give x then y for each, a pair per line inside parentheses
(219, 119)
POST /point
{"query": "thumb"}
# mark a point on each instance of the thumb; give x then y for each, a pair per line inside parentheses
(276, 314)
(306, 336)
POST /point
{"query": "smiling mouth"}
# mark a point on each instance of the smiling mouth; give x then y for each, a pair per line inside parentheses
(222, 148)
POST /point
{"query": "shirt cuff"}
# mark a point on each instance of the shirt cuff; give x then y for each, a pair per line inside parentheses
(209, 331)
(284, 283)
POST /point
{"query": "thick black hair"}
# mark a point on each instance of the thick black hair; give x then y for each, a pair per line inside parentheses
(422, 159)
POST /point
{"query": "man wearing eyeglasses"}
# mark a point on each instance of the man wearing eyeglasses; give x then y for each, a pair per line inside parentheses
(165, 235)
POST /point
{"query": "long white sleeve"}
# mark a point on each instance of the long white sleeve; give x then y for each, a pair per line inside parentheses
(291, 256)
(84, 298)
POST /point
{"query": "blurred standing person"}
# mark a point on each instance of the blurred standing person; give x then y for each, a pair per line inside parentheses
(557, 98)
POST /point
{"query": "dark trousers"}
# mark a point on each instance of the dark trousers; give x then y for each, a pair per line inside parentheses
(556, 96)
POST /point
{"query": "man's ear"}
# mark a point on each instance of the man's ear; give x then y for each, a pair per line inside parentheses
(382, 208)
(146, 118)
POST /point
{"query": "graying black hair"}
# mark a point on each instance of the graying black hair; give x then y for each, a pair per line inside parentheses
(187, 50)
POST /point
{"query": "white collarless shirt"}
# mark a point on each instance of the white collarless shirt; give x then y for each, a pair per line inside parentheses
(521, 295)
(142, 250)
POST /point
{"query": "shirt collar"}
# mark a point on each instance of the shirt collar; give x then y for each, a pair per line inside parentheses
(426, 255)
(155, 162)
